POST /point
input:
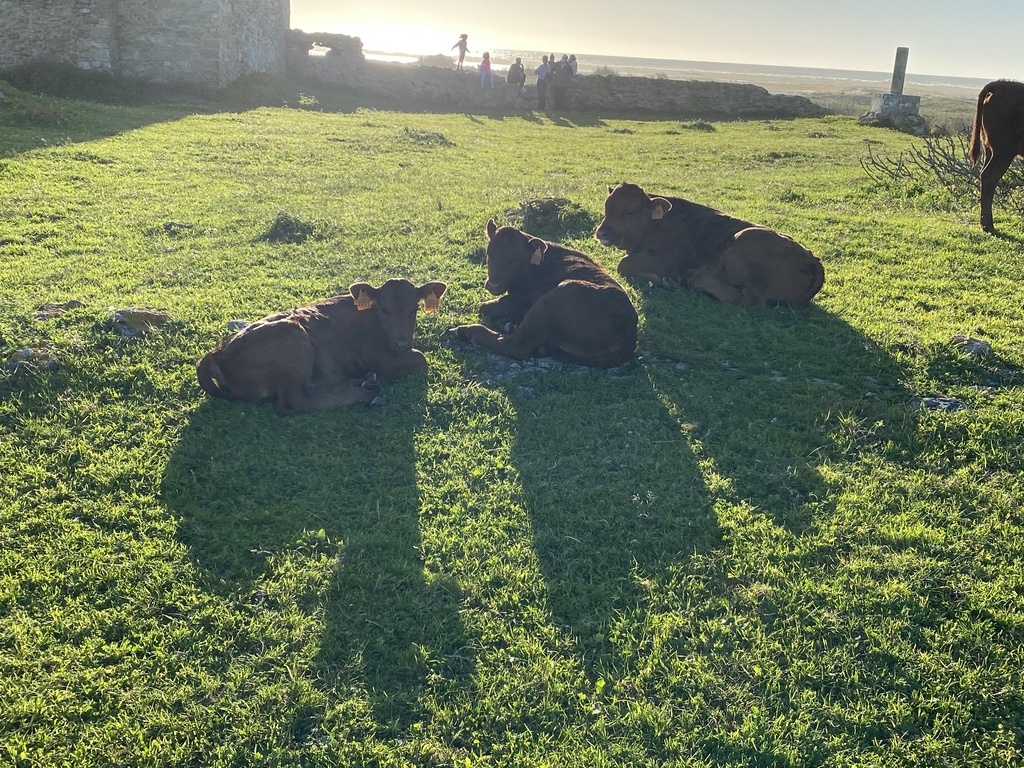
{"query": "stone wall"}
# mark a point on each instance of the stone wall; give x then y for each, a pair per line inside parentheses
(343, 63)
(211, 42)
(258, 38)
(79, 32)
(435, 86)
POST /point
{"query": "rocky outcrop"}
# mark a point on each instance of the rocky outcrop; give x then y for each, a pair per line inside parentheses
(406, 84)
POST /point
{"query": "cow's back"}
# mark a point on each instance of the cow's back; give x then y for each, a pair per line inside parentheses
(999, 121)
(561, 263)
(348, 342)
(692, 233)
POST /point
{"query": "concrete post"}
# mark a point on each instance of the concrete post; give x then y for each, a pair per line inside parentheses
(899, 71)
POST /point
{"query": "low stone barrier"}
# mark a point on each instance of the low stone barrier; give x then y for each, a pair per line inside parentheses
(345, 65)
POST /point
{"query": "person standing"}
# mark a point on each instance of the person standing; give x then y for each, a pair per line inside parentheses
(559, 79)
(542, 72)
(574, 64)
(486, 73)
(463, 47)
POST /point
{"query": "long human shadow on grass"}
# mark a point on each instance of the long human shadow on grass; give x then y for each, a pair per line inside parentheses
(251, 490)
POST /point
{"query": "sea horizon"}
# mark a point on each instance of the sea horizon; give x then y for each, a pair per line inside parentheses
(775, 78)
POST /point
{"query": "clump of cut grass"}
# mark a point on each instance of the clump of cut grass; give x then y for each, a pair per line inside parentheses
(288, 228)
(426, 138)
(552, 218)
(698, 125)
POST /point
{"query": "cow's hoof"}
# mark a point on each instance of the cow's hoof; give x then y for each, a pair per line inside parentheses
(370, 382)
(378, 401)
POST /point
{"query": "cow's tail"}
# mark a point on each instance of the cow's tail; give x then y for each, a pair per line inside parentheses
(207, 371)
(976, 128)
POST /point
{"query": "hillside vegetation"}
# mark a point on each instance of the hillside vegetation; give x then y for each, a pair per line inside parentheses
(751, 546)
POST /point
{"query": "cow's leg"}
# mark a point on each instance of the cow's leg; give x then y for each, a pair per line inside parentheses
(644, 266)
(574, 322)
(506, 307)
(515, 344)
(995, 167)
(322, 398)
(762, 266)
(398, 364)
(535, 331)
(717, 288)
(290, 397)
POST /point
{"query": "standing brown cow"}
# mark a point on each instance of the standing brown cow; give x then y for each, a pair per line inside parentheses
(999, 130)
(563, 304)
(320, 356)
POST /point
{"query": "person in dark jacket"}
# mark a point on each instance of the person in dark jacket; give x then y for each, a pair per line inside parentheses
(561, 77)
(517, 74)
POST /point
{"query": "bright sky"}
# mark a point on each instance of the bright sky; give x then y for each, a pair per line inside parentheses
(977, 38)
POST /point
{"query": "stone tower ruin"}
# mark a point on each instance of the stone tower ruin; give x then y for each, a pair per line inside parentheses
(208, 42)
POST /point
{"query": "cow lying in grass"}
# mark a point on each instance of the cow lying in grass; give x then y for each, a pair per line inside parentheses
(563, 305)
(326, 354)
(999, 131)
(672, 241)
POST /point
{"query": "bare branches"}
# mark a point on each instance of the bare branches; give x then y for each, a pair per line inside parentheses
(944, 159)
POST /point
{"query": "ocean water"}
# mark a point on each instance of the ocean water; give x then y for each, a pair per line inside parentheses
(778, 79)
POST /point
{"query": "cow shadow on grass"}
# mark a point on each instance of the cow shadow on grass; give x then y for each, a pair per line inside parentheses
(613, 490)
(623, 472)
(769, 394)
(264, 504)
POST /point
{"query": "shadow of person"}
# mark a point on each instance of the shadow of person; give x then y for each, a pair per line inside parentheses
(265, 503)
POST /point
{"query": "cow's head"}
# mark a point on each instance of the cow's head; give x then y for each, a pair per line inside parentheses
(628, 211)
(510, 255)
(395, 304)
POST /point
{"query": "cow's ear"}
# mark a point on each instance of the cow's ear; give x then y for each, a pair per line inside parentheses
(364, 295)
(659, 207)
(610, 190)
(539, 249)
(491, 228)
(430, 294)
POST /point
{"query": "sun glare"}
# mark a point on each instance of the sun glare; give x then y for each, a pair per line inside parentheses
(389, 37)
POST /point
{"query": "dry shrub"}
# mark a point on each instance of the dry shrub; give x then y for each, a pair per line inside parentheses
(946, 160)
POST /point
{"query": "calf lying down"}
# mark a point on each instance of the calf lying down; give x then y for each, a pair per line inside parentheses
(672, 241)
(326, 354)
(562, 304)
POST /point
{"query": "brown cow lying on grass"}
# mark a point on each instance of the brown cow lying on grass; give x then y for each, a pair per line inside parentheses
(672, 241)
(563, 304)
(326, 354)
(999, 129)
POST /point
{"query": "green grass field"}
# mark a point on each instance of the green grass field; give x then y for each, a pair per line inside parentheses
(750, 547)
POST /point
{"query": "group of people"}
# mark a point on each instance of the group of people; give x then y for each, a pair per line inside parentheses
(553, 74)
